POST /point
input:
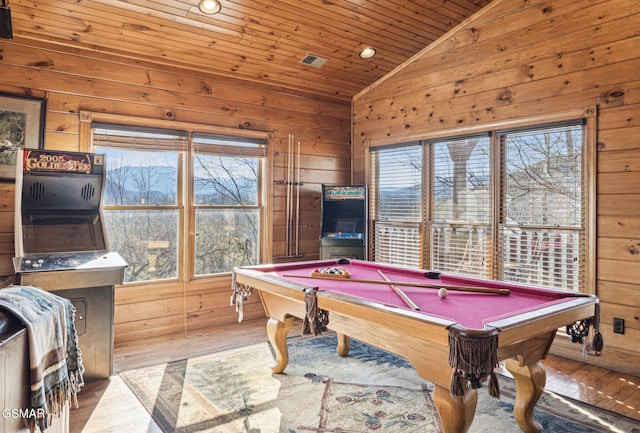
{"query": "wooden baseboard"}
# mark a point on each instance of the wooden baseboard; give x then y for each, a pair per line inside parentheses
(611, 357)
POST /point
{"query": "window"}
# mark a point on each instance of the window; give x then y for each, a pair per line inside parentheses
(509, 205)
(460, 206)
(141, 201)
(226, 202)
(541, 227)
(148, 216)
(396, 205)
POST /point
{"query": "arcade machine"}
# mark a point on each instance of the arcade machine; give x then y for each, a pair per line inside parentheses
(344, 222)
(62, 247)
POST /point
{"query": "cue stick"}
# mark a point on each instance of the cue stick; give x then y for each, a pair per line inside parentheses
(288, 235)
(292, 186)
(298, 201)
(410, 284)
(400, 293)
(286, 183)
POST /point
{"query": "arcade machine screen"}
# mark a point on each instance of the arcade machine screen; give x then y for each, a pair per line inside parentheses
(63, 232)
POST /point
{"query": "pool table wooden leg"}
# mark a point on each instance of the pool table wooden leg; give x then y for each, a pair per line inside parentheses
(277, 331)
(530, 381)
(456, 413)
(344, 344)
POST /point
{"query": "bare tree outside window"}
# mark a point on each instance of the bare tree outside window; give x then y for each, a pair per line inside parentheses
(543, 207)
(142, 217)
(544, 177)
(227, 217)
(146, 213)
(507, 205)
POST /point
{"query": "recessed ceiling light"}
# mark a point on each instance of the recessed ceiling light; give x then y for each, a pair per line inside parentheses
(367, 53)
(209, 7)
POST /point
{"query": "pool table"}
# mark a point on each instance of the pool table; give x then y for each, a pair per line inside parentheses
(454, 340)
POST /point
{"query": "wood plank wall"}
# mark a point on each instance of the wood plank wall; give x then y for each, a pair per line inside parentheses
(516, 59)
(74, 80)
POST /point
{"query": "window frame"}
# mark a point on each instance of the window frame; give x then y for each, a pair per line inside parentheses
(431, 221)
(587, 115)
(539, 231)
(405, 225)
(260, 152)
(186, 260)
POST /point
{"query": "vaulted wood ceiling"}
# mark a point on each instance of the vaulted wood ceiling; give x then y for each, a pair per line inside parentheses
(257, 40)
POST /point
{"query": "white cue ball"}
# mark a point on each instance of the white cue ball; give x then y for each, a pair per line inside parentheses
(442, 292)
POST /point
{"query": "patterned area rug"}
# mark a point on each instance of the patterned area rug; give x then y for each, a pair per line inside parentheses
(234, 391)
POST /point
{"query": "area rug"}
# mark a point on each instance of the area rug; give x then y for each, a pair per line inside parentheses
(320, 392)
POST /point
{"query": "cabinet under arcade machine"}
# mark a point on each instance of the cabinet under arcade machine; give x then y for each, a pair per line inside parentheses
(344, 222)
(62, 246)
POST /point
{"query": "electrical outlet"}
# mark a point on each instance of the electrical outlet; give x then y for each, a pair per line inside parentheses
(618, 326)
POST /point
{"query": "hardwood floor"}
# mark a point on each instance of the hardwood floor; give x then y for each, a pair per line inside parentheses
(109, 406)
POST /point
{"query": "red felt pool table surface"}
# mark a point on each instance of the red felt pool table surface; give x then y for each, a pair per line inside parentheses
(468, 309)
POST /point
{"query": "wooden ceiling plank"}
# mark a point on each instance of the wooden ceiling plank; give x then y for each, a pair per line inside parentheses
(344, 22)
(168, 7)
(181, 52)
(181, 41)
(234, 40)
(389, 14)
(323, 33)
(259, 41)
(289, 31)
(447, 13)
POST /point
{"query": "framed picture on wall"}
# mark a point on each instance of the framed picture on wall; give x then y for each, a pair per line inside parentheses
(22, 120)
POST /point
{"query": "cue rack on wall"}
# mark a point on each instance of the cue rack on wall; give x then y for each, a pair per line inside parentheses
(292, 185)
